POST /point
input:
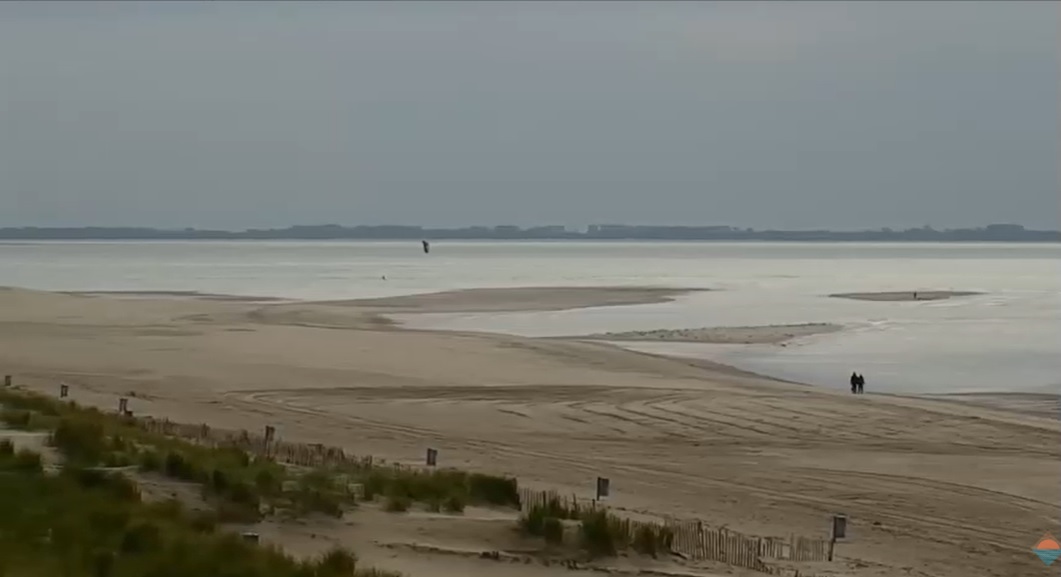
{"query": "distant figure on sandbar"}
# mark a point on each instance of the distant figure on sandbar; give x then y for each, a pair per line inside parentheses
(915, 295)
(861, 383)
(854, 383)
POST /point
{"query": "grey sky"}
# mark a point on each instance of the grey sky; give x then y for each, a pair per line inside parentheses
(788, 115)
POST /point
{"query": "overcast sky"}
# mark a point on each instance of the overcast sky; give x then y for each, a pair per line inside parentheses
(785, 115)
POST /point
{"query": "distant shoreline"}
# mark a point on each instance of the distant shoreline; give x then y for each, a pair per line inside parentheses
(989, 233)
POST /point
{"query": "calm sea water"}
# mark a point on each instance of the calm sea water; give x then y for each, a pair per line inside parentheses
(1007, 339)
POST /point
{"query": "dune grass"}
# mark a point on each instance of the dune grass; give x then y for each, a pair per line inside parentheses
(84, 522)
(89, 436)
(600, 533)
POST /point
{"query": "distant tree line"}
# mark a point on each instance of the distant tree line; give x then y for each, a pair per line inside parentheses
(992, 232)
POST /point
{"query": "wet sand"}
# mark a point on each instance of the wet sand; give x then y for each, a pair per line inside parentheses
(518, 299)
(904, 296)
(931, 487)
(769, 334)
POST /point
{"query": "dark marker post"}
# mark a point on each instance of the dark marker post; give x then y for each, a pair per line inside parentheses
(839, 531)
(603, 487)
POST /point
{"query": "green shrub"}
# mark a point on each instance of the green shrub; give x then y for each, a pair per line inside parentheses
(397, 503)
(267, 482)
(597, 535)
(553, 530)
(117, 460)
(375, 483)
(337, 563)
(87, 522)
(119, 444)
(646, 541)
(144, 537)
(81, 440)
(493, 490)
(110, 520)
(26, 400)
(177, 467)
(243, 494)
(150, 462)
(27, 461)
(171, 509)
(454, 504)
(102, 563)
(228, 512)
(311, 501)
(219, 481)
(377, 573)
(204, 522)
(16, 419)
(533, 521)
(115, 485)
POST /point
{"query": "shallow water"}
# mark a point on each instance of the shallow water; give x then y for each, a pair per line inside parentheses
(1004, 340)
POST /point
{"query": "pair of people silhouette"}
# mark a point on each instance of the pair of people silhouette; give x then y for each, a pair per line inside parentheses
(857, 383)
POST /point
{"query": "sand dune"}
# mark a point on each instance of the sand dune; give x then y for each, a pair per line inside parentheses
(932, 487)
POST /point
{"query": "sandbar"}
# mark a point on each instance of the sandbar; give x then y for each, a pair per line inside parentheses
(904, 296)
(178, 294)
(518, 299)
(768, 334)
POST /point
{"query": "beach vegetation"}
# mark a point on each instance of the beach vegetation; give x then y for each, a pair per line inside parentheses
(85, 522)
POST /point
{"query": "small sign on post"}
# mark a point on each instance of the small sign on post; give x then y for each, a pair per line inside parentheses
(123, 405)
(432, 457)
(64, 390)
(839, 526)
(839, 531)
(603, 487)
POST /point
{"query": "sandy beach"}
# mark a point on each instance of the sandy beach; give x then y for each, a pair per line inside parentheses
(932, 486)
(904, 296)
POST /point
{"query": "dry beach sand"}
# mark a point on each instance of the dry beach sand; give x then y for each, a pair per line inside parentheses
(932, 486)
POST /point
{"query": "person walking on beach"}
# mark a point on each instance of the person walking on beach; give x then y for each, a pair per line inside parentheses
(861, 383)
(854, 383)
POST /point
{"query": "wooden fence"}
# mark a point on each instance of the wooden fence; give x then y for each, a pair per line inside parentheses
(301, 454)
(693, 540)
